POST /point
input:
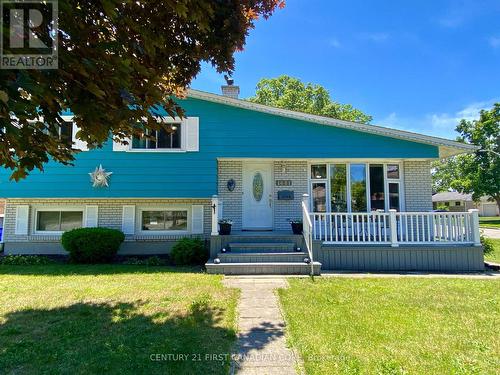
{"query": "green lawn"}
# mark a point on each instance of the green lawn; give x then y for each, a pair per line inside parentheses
(65, 319)
(489, 222)
(395, 325)
(494, 256)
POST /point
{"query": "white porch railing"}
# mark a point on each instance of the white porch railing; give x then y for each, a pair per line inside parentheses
(396, 228)
(307, 230)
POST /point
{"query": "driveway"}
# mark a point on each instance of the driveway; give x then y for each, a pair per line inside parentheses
(490, 232)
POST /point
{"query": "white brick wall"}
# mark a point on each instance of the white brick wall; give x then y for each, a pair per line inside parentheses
(232, 205)
(296, 171)
(418, 185)
(109, 215)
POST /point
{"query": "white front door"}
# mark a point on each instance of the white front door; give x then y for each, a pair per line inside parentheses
(257, 196)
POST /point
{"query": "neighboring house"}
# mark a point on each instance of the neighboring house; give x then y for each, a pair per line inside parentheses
(458, 202)
(366, 191)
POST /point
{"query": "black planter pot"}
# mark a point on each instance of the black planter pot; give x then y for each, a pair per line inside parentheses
(224, 229)
(297, 228)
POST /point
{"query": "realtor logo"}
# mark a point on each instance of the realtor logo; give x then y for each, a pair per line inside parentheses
(28, 37)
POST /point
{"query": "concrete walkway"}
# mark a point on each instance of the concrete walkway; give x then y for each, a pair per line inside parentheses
(491, 232)
(261, 347)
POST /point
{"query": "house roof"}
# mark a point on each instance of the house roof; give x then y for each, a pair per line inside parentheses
(451, 196)
(446, 147)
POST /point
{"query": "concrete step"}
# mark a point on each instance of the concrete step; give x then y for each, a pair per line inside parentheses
(262, 247)
(272, 268)
(296, 256)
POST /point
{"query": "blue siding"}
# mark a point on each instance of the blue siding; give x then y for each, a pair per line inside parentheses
(225, 131)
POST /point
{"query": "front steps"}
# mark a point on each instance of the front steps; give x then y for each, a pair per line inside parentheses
(261, 258)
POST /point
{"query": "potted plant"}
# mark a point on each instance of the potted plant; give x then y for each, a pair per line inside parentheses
(225, 226)
(297, 226)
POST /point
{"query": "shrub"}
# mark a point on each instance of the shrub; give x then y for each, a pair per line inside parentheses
(487, 244)
(25, 260)
(150, 261)
(189, 251)
(92, 245)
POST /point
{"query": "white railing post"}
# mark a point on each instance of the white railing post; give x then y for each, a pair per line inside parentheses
(476, 235)
(305, 199)
(307, 230)
(393, 225)
(215, 215)
(305, 202)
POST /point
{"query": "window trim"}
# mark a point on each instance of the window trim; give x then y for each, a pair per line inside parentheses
(169, 120)
(367, 163)
(141, 209)
(37, 209)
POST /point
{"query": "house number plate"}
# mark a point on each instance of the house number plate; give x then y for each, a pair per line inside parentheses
(283, 182)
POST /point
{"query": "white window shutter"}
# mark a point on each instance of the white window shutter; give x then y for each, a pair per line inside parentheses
(118, 146)
(77, 143)
(91, 214)
(22, 217)
(128, 220)
(192, 134)
(197, 219)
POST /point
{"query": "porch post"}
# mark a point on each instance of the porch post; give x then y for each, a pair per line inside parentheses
(215, 215)
(305, 199)
(476, 235)
(393, 225)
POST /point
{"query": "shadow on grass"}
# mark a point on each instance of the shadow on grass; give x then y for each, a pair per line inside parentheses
(114, 339)
(62, 269)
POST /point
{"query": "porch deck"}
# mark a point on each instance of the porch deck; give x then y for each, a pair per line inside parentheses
(370, 241)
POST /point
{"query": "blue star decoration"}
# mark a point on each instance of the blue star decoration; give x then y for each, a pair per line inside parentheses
(100, 177)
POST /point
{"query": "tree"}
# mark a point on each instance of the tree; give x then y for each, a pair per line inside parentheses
(291, 93)
(117, 60)
(477, 173)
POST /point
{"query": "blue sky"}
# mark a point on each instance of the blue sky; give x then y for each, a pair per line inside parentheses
(418, 66)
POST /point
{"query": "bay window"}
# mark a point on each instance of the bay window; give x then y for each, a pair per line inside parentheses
(338, 188)
(377, 187)
(355, 187)
(394, 196)
(319, 196)
(358, 188)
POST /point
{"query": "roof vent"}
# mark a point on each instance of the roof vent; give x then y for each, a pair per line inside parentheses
(230, 90)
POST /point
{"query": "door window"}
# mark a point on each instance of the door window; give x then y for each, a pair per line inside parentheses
(258, 186)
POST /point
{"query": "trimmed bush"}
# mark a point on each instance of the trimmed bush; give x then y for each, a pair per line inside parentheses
(189, 251)
(487, 244)
(92, 245)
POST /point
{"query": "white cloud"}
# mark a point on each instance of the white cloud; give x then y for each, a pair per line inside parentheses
(376, 37)
(334, 42)
(437, 124)
(494, 41)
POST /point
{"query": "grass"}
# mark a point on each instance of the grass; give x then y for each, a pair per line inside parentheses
(494, 256)
(489, 222)
(394, 326)
(113, 319)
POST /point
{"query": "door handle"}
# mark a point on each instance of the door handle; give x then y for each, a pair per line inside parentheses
(270, 200)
